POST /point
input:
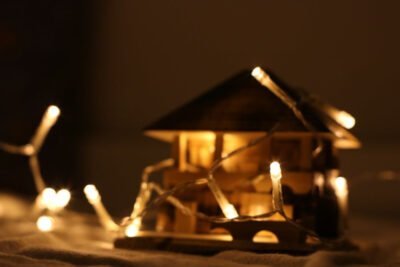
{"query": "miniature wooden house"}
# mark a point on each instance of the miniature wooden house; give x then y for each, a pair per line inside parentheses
(230, 116)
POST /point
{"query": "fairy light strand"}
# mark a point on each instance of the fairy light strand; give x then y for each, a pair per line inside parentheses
(54, 201)
(264, 79)
(48, 200)
(32, 149)
(142, 203)
(130, 222)
(94, 198)
(277, 197)
(227, 208)
(145, 194)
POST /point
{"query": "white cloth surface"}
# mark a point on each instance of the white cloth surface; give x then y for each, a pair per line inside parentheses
(79, 241)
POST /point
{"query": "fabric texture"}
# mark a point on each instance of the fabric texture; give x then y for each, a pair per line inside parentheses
(78, 240)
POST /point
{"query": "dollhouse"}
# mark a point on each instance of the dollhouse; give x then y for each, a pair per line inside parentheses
(227, 117)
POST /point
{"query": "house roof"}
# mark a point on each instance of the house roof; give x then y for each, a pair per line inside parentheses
(243, 104)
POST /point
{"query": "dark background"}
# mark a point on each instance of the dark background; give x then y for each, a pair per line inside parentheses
(115, 66)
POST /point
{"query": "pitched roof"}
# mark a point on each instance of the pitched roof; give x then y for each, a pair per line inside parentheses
(243, 104)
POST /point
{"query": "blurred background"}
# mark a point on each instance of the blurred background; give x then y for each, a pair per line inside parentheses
(115, 66)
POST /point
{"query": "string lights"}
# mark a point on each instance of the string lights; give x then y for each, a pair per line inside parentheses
(341, 190)
(45, 223)
(48, 202)
(131, 225)
(276, 176)
(95, 200)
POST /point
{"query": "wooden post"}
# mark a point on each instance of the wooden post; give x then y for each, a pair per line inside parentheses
(219, 145)
(182, 141)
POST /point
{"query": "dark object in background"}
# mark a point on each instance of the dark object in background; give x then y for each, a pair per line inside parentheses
(42, 61)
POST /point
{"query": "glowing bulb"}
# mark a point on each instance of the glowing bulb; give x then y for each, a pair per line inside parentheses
(45, 223)
(341, 191)
(94, 199)
(49, 198)
(230, 211)
(51, 116)
(91, 193)
(63, 197)
(49, 119)
(345, 119)
(341, 187)
(133, 229)
(227, 208)
(276, 176)
(319, 180)
(275, 170)
(53, 111)
(257, 73)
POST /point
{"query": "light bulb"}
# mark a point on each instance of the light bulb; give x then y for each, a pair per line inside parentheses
(258, 73)
(45, 223)
(53, 111)
(49, 198)
(345, 119)
(91, 193)
(275, 170)
(341, 187)
(132, 230)
(230, 211)
(63, 197)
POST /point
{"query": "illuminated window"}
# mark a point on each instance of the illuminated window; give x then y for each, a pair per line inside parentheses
(200, 149)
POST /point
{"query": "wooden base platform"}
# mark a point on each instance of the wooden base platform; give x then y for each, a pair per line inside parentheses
(205, 244)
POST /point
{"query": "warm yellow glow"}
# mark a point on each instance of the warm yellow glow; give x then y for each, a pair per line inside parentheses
(276, 176)
(49, 119)
(265, 237)
(63, 198)
(345, 119)
(230, 211)
(258, 73)
(49, 198)
(53, 112)
(319, 180)
(133, 229)
(257, 209)
(28, 149)
(91, 193)
(246, 161)
(253, 204)
(51, 116)
(341, 187)
(49, 195)
(200, 149)
(53, 200)
(202, 135)
(94, 199)
(275, 170)
(45, 223)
